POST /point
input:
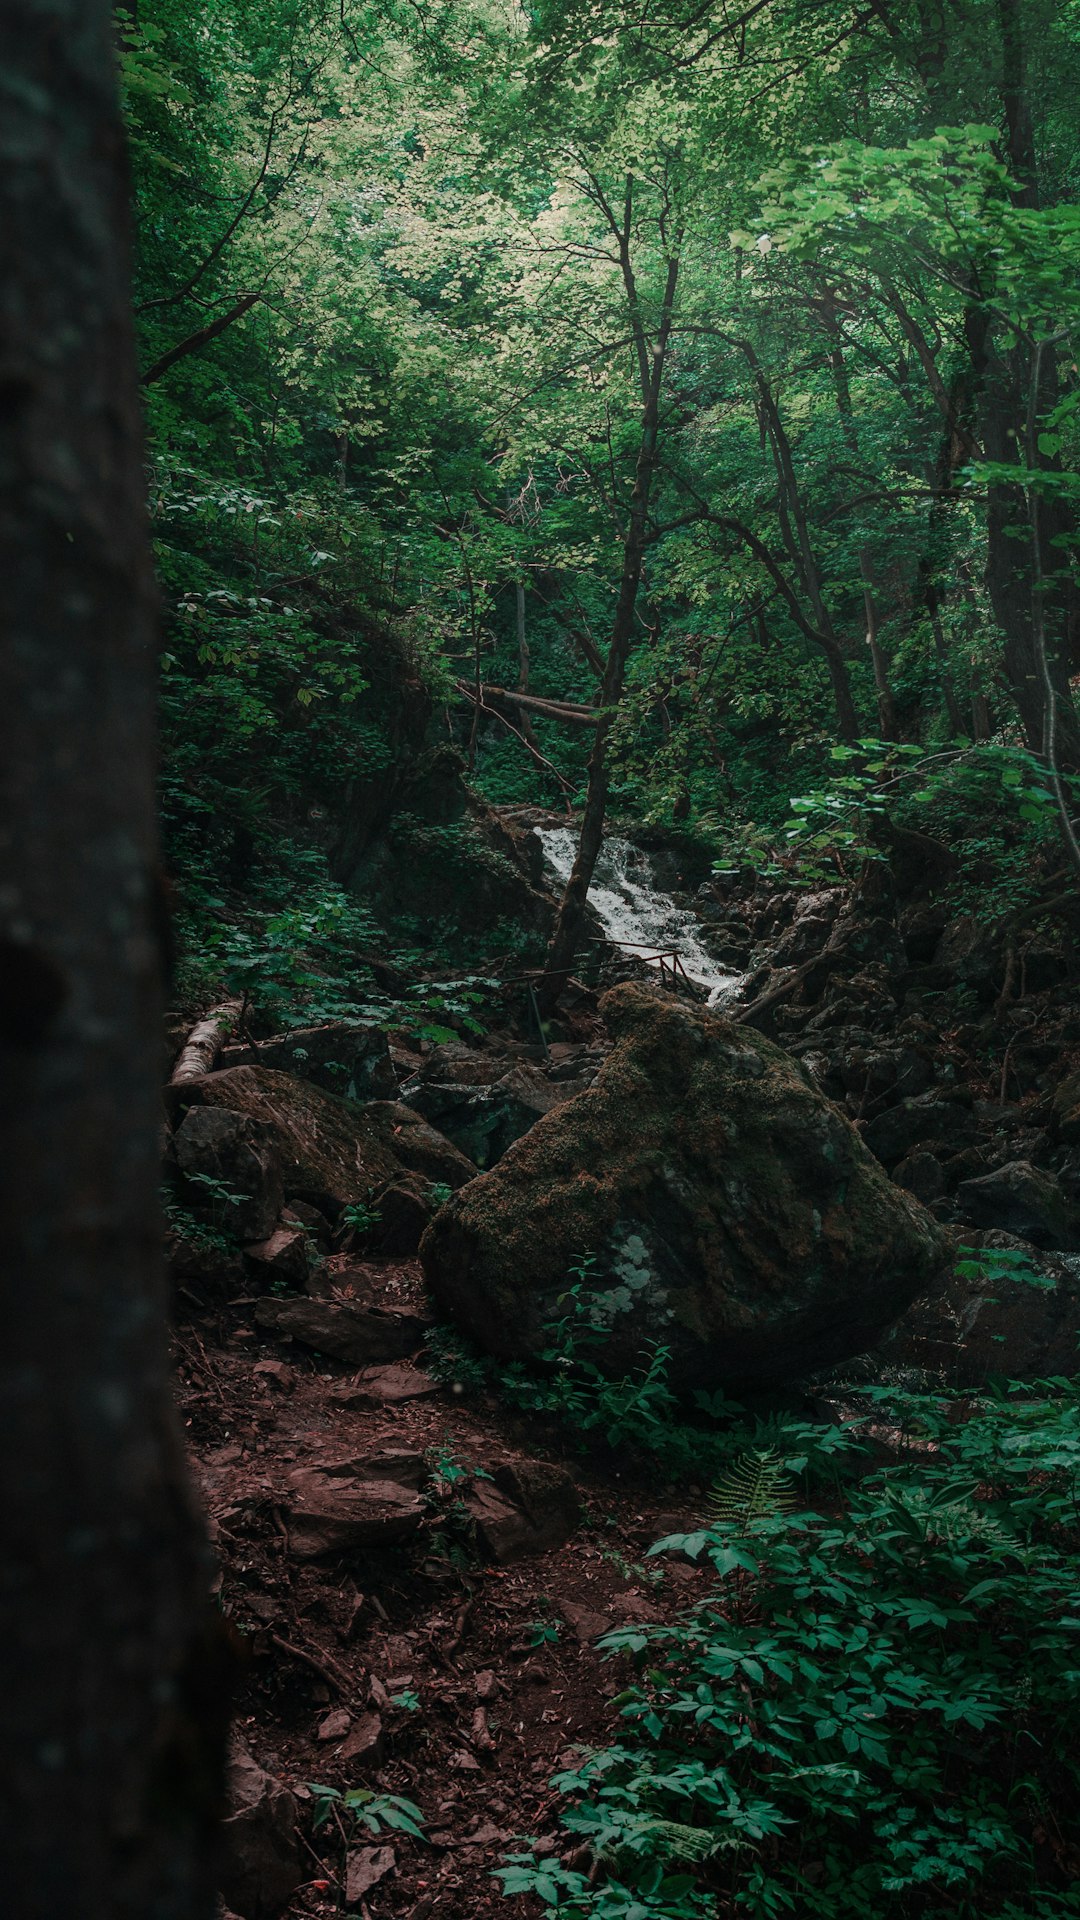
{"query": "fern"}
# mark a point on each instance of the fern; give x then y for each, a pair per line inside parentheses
(757, 1488)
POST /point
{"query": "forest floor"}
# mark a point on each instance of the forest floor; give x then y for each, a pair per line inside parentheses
(495, 1667)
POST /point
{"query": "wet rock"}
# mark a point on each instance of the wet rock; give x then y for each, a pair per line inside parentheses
(260, 1843)
(358, 1502)
(344, 1329)
(1022, 1199)
(732, 1213)
(221, 1145)
(525, 1507)
(483, 1120)
(283, 1256)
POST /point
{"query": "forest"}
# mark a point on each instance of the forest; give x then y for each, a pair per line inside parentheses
(603, 1018)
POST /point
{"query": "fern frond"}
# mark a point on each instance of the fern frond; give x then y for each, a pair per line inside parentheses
(756, 1488)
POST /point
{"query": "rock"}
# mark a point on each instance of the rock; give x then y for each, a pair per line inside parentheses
(218, 1144)
(283, 1256)
(335, 1726)
(587, 1624)
(976, 1328)
(1019, 1198)
(344, 1329)
(970, 950)
(922, 1174)
(386, 1387)
(1066, 1110)
(342, 1056)
(276, 1370)
(260, 1845)
(327, 1151)
(358, 1502)
(525, 1507)
(484, 1119)
(926, 1119)
(365, 1741)
(732, 1213)
(364, 1869)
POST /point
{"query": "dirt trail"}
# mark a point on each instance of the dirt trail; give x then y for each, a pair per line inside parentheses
(414, 1669)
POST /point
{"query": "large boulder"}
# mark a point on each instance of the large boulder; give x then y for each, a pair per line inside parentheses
(731, 1213)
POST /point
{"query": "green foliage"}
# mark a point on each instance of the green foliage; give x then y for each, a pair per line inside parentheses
(869, 1712)
(377, 1812)
(753, 1491)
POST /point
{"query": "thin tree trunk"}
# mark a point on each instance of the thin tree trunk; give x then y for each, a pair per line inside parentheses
(113, 1722)
(571, 914)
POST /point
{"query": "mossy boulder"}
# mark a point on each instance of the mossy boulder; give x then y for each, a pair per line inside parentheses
(731, 1212)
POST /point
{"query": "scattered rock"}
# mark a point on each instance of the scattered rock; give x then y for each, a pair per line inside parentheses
(217, 1144)
(357, 1502)
(975, 1329)
(283, 1376)
(364, 1870)
(386, 1387)
(342, 1057)
(260, 1845)
(344, 1329)
(283, 1256)
(732, 1213)
(927, 1119)
(525, 1507)
(587, 1624)
(365, 1740)
(335, 1726)
(1021, 1199)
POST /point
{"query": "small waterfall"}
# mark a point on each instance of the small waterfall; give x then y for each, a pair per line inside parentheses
(635, 915)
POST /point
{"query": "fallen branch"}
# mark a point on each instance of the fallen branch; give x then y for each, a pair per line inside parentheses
(205, 1041)
(319, 1664)
(773, 995)
(531, 703)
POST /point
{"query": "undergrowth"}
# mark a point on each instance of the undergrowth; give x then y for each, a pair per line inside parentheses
(869, 1713)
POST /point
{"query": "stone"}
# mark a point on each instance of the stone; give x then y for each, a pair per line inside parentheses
(218, 1144)
(284, 1255)
(922, 1174)
(364, 1869)
(975, 1328)
(365, 1739)
(1022, 1199)
(386, 1387)
(342, 1056)
(328, 1151)
(279, 1372)
(484, 1118)
(357, 1502)
(587, 1624)
(335, 1726)
(260, 1844)
(525, 1507)
(1066, 1110)
(924, 1120)
(731, 1212)
(345, 1329)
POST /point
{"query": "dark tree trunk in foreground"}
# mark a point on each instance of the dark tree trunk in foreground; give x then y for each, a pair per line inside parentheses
(110, 1719)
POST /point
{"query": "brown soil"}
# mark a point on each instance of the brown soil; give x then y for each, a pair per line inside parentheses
(508, 1686)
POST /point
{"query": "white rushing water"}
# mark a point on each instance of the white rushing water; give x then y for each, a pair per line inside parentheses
(636, 915)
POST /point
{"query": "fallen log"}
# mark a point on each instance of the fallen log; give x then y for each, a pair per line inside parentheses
(205, 1041)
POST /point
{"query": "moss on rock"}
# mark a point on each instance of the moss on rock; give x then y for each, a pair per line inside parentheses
(732, 1212)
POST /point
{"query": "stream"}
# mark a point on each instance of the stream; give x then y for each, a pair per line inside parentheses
(635, 914)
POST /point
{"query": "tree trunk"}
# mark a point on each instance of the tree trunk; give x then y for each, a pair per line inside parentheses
(110, 1754)
(571, 914)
